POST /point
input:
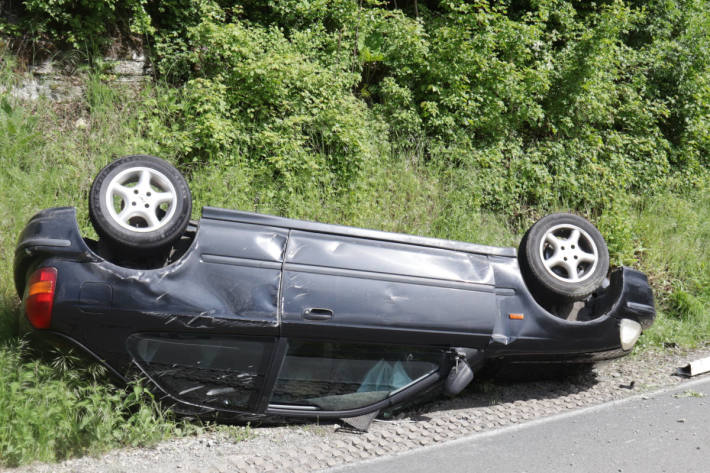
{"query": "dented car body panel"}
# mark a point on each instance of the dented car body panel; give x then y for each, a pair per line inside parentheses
(268, 316)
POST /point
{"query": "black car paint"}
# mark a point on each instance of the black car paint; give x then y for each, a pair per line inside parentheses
(249, 275)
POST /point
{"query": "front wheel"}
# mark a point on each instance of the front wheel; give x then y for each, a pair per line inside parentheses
(563, 257)
(140, 203)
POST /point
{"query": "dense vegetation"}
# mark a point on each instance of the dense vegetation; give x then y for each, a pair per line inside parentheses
(463, 120)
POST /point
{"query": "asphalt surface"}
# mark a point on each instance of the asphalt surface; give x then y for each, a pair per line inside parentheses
(663, 431)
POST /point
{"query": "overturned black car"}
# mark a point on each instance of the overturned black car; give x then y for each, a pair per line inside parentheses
(256, 316)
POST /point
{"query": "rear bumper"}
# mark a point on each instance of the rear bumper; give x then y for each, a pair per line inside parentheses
(50, 233)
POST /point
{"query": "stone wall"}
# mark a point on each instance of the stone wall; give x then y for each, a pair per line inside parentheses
(51, 79)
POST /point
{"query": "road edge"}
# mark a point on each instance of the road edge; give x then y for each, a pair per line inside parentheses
(524, 425)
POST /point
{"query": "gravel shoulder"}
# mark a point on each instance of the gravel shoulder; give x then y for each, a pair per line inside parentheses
(486, 405)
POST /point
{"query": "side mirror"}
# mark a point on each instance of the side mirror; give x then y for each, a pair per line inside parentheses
(459, 377)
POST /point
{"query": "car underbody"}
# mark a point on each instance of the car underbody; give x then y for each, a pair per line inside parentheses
(256, 316)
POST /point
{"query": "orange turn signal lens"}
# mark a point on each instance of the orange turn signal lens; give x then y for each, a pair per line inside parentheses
(39, 297)
(41, 287)
(516, 316)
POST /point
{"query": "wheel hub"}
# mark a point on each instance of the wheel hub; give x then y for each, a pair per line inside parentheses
(568, 253)
(141, 199)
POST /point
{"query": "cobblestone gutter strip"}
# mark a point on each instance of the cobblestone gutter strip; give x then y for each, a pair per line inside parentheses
(312, 447)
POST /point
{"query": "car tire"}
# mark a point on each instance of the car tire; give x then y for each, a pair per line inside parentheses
(563, 257)
(140, 203)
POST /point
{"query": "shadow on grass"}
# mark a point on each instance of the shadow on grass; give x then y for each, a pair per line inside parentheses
(9, 310)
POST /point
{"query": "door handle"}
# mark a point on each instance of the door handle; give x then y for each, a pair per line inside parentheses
(317, 314)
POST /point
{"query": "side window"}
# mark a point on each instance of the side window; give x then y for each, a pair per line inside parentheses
(222, 372)
(340, 376)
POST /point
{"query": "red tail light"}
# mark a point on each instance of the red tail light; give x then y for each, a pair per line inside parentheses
(39, 297)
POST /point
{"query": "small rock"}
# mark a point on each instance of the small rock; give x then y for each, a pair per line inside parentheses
(46, 68)
(81, 124)
(128, 68)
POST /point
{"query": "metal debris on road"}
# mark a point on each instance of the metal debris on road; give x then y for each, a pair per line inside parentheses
(695, 368)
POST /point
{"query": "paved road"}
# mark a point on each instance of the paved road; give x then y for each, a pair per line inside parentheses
(665, 431)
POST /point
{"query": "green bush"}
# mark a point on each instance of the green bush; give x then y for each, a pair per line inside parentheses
(535, 104)
(88, 25)
(516, 108)
(265, 100)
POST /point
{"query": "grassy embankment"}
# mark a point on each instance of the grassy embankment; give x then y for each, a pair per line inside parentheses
(49, 154)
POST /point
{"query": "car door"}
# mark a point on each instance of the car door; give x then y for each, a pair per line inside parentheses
(208, 370)
(338, 287)
(220, 352)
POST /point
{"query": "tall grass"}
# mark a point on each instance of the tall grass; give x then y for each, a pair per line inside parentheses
(49, 154)
(674, 231)
(48, 414)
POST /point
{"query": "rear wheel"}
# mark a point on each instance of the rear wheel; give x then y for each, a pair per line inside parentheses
(140, 203)
(563, 257)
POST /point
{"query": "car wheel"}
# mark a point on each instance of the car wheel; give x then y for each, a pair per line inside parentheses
(563, 257)
(140, 203)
